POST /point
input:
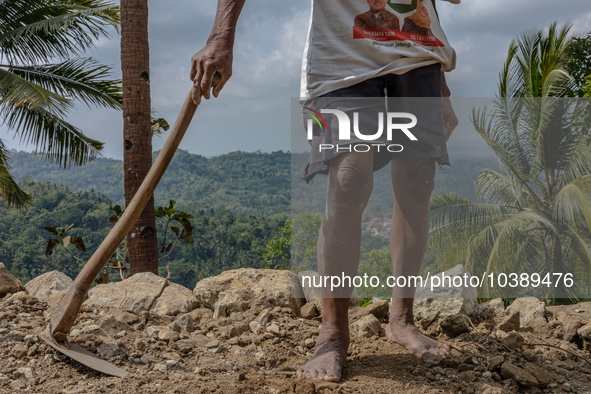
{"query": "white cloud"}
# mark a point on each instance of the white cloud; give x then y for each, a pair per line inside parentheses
(465, 45)
(582, 24)
(279, 60)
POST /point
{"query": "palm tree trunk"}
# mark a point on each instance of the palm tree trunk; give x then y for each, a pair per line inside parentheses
(137, 155)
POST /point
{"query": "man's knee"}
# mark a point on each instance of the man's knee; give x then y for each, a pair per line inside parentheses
(420, 178)
(353, 184)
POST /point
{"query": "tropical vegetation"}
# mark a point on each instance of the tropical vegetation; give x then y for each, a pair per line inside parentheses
(578, 65)
(222, 240)
(533, 216)
(42, 75)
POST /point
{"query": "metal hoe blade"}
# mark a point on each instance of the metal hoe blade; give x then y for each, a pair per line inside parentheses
(83, 356)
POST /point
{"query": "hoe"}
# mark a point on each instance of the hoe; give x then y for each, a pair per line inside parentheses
(64, 316)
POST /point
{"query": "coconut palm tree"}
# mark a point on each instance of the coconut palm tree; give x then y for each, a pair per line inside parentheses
(137, 131)
(532, 216)
(42, 76)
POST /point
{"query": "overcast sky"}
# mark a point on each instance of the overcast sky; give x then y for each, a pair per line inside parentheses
(253, 110)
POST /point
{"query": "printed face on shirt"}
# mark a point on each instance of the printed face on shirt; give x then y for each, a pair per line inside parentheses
(421, 16)
(422, 10)
(377, 5)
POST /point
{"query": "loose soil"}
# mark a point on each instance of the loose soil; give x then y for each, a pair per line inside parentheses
(215, 359)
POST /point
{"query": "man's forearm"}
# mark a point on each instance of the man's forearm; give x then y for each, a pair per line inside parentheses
(224, 27)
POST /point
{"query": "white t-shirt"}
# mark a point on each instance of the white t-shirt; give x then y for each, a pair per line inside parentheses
(350, 41)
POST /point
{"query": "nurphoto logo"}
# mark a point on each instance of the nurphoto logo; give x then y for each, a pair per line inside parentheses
(391, 120)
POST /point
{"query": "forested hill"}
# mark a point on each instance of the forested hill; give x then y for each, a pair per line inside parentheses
(245, 183)
(222, 239)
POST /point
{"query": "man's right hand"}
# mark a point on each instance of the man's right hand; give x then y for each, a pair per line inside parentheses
(215, 57)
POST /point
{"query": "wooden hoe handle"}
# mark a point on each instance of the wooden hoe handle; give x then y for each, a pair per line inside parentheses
(64, 316)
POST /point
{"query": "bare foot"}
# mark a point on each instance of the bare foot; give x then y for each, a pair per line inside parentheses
(330, 355)
(408, 335)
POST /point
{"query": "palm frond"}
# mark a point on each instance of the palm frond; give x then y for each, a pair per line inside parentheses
(581, 246)
(572, 204)
(499, 239)
(16, 91)
(35, 31)
(52, 136)
(455, 220)
(80, 79)
(450, 208)
(511, 160)
(527, 63)
(495, 188)
(534, 215)
(558, 138)
(535, 66)
(508, 74)
(578, 152)
(12, 195)
(553, 47)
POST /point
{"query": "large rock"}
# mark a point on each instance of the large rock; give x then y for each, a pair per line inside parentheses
(136, 292)
(379, 309)
(495, 307)
(455, 325)
(510, 323)
(561, 312)
(570, 326)
(45, 286)
(53, 301)
(308, 311)
(237, 290)
(366, 327)
(8, 283)
(445, 299)
(585, 332)
(513, 340)
(529, 308)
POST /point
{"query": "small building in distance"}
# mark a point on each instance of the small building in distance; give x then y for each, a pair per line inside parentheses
(378, 226)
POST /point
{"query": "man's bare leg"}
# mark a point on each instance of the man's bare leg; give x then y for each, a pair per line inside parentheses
(349, 187)
(413, 182)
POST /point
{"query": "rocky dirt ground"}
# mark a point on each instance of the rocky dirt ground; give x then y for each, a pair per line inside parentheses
(259, 349)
